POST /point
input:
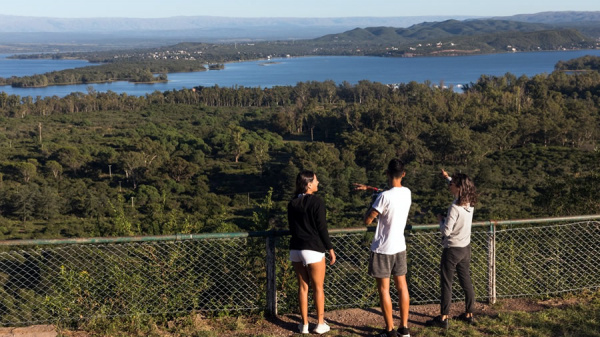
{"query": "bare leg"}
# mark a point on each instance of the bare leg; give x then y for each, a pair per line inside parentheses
(383, 287)
(403, 298)
(316, 272)
(302, 274)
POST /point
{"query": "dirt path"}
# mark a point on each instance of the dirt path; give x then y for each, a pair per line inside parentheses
(365, 322)
(344, 322)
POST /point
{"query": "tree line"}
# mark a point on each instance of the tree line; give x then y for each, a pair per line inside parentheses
(224, 159)
(139, 71)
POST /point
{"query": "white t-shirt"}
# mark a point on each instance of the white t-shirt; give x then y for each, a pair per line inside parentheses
(393, 206)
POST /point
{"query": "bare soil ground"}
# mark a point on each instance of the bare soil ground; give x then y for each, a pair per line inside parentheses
(366, 322)
(344, 322)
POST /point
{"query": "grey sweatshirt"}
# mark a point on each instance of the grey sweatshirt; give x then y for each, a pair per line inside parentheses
(456, 228)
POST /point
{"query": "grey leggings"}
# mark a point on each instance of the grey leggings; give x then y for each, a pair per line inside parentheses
(456, 259)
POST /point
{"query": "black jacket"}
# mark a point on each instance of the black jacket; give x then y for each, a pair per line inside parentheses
(306, 217)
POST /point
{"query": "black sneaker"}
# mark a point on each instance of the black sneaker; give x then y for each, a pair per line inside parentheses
(403, 332)
(463, 317)
(385, 333)
(438, 322)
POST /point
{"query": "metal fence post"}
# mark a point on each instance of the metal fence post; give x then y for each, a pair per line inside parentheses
(271, 275)
(492, 264)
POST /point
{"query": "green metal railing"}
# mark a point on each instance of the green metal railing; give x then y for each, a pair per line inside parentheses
(47, 280)
(181, 237)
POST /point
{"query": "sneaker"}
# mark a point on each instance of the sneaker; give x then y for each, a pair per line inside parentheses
(463, 317)
(385, 333)
(403, 332)
(303, 328)
(322, 328)
(438, 321)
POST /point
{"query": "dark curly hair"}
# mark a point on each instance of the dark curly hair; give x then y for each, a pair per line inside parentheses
(467, 193)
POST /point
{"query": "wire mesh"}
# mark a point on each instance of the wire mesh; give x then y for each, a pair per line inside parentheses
(75, 282)
(424, 267)
(50, 283)
(547, 260)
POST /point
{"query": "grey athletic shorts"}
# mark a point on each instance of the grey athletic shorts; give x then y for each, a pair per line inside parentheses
(382, 265)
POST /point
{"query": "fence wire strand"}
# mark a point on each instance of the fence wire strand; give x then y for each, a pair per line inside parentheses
(75, 282)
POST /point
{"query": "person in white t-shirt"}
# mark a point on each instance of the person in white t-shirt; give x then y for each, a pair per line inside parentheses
(388, 249)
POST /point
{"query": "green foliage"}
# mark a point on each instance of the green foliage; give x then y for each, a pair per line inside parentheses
(121, 225)
(262, 219)
(581, 63)
(140, 71)
(203, 160)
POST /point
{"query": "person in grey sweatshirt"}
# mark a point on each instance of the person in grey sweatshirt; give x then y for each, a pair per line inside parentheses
(455, 228)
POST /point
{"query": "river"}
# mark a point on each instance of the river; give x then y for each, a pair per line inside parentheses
(449, 71)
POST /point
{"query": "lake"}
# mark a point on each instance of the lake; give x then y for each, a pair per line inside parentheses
(454, 70)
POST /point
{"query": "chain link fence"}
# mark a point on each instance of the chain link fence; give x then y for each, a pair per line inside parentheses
(547, 259)
(84, 279)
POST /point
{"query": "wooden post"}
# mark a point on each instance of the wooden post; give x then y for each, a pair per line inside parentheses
(492, 264)
(271, 276)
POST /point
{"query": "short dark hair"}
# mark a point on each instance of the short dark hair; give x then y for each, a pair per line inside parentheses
(302, 180)
(395, 168)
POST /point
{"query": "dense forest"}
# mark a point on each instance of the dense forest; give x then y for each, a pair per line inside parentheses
(224, 159)
(586, 63)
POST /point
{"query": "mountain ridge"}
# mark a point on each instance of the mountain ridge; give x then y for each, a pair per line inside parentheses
(21, 34)
(12, 23)
(433, 30)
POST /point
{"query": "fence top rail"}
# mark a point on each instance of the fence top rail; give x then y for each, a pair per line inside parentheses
(271, 233)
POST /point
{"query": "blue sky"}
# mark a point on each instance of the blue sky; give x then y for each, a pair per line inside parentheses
(286, 8)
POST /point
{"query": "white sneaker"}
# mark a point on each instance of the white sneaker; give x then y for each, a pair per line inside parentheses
(303, 328)
(322, 328)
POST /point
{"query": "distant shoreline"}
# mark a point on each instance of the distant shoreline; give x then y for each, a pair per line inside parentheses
(274, 71)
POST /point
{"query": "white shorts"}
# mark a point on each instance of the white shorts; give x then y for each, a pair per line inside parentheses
(306, 256)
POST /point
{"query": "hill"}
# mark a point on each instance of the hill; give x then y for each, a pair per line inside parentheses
(587, 23)
(45, 34)
(102, 33)
(431, 31)
(457, 37)
(555, 17)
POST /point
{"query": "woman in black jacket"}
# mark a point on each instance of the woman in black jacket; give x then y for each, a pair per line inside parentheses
(308, 244)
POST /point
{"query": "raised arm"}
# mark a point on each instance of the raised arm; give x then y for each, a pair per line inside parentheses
(446, 175)
(363, 187)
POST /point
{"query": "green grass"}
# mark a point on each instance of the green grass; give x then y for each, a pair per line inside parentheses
(573, 315)
(581, 319)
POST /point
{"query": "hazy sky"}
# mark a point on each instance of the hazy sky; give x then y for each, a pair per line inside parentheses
(286, 8)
